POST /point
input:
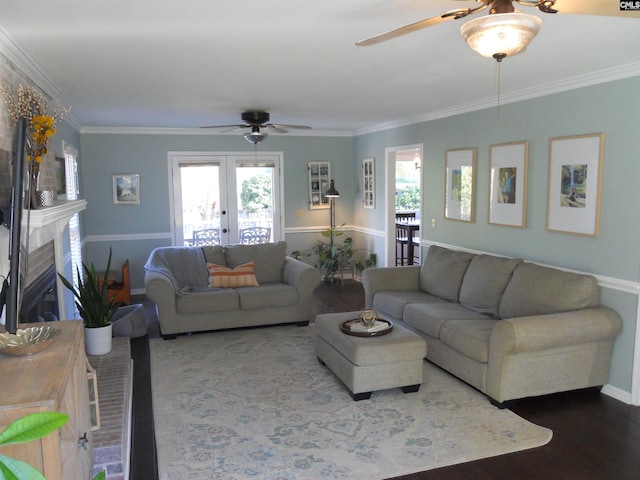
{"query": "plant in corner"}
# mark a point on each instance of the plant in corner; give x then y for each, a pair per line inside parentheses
(94, 305)
(25, 429)
(334, 256)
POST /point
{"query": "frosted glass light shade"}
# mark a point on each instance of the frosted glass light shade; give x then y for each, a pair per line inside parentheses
(500, 33)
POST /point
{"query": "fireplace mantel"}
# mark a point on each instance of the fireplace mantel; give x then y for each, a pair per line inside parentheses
(47, 225)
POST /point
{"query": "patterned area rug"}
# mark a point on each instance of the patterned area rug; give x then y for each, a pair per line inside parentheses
(256, 404)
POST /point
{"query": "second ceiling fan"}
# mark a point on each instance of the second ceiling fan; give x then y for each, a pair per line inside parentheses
(257, 120)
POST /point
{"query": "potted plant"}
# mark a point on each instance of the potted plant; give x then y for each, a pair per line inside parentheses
(95, 307)
(334, 256)
(25, 429)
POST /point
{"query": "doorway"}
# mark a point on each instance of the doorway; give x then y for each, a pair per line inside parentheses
(221, 199)
(403, 194)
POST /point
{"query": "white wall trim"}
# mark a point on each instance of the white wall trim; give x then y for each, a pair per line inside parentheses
(128, 237)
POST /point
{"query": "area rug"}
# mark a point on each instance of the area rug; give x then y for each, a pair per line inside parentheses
(257, 404)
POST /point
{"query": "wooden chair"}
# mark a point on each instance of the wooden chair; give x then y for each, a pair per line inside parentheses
(209, 236)
(405, 216)
(402, 240)
(120, 291)
(255, 235)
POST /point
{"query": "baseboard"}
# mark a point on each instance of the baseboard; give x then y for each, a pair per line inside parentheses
(617, 393)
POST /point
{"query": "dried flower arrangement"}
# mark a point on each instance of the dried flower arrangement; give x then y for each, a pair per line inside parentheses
(30, 104)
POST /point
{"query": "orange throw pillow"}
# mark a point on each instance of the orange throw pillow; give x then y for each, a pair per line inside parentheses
(224, 277)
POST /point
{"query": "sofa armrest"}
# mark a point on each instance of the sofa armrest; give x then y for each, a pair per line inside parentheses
(544, 332)
(377, 279)
(537, 355)
(160, 289)
(304, 278)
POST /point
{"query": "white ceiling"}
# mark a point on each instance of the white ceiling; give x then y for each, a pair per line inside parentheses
(189, 63)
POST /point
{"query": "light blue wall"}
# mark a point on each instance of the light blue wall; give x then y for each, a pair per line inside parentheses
(610, 108)
(133, 231)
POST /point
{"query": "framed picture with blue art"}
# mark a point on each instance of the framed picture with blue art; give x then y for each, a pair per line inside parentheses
(459, 189)
(126, 189)
(575, 172)
(508, 187)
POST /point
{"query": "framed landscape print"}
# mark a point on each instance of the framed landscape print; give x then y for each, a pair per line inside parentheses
(319, 180)
(460, 184)
(126, 189)
(508, 187)
(575, 171)
(369, 179)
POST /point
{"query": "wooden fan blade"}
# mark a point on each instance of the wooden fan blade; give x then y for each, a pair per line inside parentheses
(293, 127)
(232, 127)
(428, 22)
(607, 8)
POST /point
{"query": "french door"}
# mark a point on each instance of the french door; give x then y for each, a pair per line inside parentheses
(220, 198)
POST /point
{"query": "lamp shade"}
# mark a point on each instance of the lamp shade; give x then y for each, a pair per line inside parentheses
(255, 137)
(332, 192)
(505, 34)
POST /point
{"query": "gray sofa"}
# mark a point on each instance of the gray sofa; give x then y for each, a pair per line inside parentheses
(177, 281)
(509, 328)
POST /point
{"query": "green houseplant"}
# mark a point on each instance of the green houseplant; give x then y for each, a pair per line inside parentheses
(95, 306)
(25, 429)
(333, 256)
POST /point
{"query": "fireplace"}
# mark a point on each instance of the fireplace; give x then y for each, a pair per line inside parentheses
(40, 299)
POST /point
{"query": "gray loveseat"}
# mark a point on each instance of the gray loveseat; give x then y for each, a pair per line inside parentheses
(510, 328)
(177, 280)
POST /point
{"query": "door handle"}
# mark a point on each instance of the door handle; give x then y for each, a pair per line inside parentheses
(224, 230)
(223, 212)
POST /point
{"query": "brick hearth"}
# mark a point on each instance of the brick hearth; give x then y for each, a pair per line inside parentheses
(112, 442)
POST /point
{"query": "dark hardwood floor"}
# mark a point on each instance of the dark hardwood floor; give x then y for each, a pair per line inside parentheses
(594, 436)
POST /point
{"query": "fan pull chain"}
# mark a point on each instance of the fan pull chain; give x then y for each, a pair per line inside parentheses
(498, 57)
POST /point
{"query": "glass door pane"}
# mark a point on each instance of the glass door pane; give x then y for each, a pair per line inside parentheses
(255, 203)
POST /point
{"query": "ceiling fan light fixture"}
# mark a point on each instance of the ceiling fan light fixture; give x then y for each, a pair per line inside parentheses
(255, 137)
(502, 34)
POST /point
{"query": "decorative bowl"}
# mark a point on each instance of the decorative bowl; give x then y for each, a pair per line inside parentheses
(28, 341)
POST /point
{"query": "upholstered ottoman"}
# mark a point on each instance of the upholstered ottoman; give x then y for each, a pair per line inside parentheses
(365, 364)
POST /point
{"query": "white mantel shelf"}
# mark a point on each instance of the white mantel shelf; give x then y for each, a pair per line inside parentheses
(60, 211)
(47, 224)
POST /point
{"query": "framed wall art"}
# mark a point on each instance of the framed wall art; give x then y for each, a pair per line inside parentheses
(575, 172)
(368, 185)
(126, 189)
(319, 180)
(508, 187)
(460, 184)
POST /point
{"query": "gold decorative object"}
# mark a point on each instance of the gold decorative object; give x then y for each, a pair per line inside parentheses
(368, 317)
(28, 341)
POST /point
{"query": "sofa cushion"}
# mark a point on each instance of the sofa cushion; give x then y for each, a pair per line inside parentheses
(215, 300)
(538, 290)
(183, 266)
(428, 318)
(268, 259)
(442, 272)
(469, 337)
(485, 281)
(393, 302)
(225, 277)
(267, 296)
(214, 254)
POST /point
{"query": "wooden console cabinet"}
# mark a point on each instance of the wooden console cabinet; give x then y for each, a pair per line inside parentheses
(54, 380)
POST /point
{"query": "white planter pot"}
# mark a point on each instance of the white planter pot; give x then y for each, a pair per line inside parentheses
(98, 340)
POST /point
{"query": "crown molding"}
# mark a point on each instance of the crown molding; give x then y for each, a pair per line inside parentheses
(573, 83)
(21, 60)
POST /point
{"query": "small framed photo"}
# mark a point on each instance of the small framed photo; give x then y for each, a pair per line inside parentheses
(460, 184)
(126, 189)
(508, 188)
(575, 173)
(61, 176)
(368, 183)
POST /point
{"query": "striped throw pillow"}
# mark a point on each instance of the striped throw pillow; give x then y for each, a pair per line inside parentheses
(225, 277)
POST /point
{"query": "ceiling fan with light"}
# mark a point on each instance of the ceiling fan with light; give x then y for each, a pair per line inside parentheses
(506, 32)
(256, 120)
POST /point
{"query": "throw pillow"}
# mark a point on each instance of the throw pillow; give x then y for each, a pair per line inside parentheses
(225, 277)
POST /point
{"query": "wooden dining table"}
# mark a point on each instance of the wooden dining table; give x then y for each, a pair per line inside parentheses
(409, 230)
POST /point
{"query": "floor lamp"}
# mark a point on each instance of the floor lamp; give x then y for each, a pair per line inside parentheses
(332, 194)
